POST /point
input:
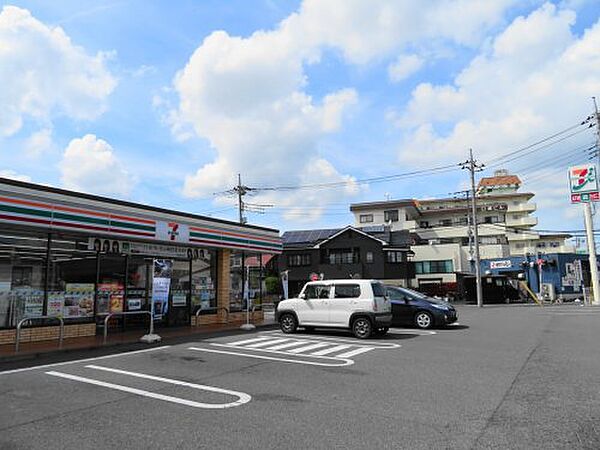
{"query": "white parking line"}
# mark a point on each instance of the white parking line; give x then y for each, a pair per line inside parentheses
(263, 343)
(294, 343)
(333, 349)
(309, 347)
(315, 338)
(115, 355)
(352, 353)
(243, 398)
(248, 341)
(338, 361)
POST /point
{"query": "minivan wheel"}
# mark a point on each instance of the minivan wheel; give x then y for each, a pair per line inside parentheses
(288, 323)
(423, 320)
(361, 328)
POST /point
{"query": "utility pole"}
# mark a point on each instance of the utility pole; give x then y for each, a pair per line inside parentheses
(472, 166)
(589, 221)
(241, 190)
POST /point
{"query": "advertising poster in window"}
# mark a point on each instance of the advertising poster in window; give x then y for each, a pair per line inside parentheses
(56, 303)
(79, 300)
(161, 283)
(34, 303)
(110, 297)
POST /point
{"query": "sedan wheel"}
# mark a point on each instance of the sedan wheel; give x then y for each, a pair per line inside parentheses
(423, 320)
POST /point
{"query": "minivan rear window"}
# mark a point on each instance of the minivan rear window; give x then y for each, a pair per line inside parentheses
(347, 291)
(378, 290)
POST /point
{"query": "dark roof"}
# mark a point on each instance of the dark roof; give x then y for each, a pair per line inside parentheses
(113, 201)
(304, 238)
(310, 238)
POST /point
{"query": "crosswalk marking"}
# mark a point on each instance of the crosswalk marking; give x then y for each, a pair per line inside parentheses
(351, 353)
(266, 343)
(330, 350)
(309, 347)
(286, 345)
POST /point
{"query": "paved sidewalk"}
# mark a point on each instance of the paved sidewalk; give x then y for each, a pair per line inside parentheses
(31, 350)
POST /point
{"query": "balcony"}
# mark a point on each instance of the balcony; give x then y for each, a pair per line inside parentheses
(521, 222)
(522, 207)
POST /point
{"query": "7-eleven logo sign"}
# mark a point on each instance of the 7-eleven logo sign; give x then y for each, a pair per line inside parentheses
(583, 179)
(173, 231)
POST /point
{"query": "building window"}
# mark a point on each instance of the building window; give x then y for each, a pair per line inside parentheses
(341, 256)
(491, 219)
(366, 218)
(520, 245)
(462, 221)
(554, 244)
(369, 257)
(424, 267)
(391, 215)
(393, 257)
(299, 260)
(446, 222)
(424, 224)
(541, 245)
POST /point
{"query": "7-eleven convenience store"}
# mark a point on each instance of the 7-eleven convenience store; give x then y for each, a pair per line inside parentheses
(81, 257)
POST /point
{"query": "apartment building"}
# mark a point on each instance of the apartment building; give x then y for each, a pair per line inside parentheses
(445, 247)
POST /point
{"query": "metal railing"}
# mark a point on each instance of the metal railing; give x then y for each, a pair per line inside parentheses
(27, 319)
(217, 311)
(129, 313)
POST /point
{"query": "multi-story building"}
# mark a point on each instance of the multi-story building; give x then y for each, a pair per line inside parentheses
(445, 245)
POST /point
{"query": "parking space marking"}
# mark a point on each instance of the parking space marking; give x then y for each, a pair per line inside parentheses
(336, 362)
(306, 348)
(264, 343)
(330, 350)
(293, 343)
(97, 358)
(248, 341)
(242, 397)
(316, 338)
(355, 352)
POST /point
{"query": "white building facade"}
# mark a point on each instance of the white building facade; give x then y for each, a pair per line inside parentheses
(443, 242)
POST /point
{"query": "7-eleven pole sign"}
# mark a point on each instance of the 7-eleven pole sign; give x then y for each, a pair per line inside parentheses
(583, 183)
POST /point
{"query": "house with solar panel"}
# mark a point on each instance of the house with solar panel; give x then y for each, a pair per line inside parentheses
(349, 252)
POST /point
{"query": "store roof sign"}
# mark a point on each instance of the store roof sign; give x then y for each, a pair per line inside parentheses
(172, 232)
(583, 183)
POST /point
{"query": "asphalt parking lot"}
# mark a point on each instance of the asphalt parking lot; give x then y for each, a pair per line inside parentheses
(505, 377)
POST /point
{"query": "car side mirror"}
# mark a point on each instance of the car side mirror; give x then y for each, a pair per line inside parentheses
(303, 296)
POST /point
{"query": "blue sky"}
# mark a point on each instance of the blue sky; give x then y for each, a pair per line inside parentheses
(165, 102)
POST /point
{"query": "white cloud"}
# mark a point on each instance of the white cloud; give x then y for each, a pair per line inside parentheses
(537, 77)
(404, 67)
(89, 164)
(39, 142)
(247, 97)
(44, 74)
(12, 175)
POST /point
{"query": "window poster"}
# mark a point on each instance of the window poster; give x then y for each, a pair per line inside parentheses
(56, 303)
(33, 302)
(79, 300)
(110, 297)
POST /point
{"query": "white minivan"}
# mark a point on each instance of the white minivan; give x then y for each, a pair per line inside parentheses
(360, 305)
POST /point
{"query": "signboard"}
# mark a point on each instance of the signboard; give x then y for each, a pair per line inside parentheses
(161, 283)
(504, 264)
(172, 231)
(583, 184)
(78, 300)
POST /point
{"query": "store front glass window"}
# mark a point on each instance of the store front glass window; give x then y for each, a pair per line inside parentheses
(111, 285)
(22, 275)
(72, 277)
(204, 280)
(236, 279)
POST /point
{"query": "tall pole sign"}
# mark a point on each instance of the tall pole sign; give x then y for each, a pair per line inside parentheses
(583, 184)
